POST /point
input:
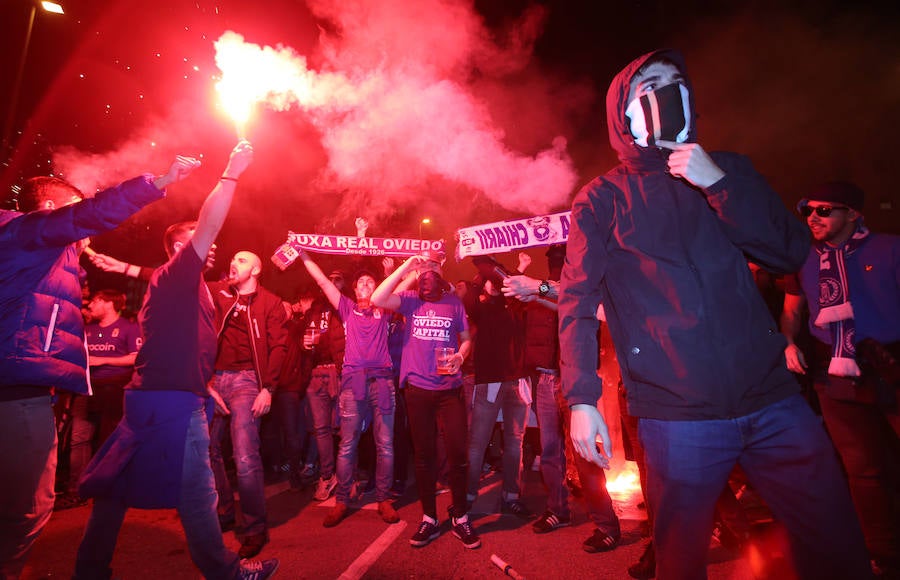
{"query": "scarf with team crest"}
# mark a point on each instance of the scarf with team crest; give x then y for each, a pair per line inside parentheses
(835, 310)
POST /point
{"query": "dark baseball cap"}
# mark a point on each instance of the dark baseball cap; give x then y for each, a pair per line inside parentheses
(838, 192)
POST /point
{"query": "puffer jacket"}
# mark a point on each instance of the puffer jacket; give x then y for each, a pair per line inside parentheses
(668, 260)
(41, 328)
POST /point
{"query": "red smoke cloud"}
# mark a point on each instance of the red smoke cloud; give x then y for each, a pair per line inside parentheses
(401, 96)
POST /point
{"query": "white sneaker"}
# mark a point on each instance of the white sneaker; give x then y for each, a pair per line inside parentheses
(325, 488)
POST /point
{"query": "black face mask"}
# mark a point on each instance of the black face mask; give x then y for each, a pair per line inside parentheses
(661, 114)
(432, 286)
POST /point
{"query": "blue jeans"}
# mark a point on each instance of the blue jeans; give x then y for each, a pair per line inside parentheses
(789, 461)
(353, 413)
(196, 509)
(28, 464)
(484, 415)
(322, 394)
(554, 416)
(239, 389)
(552, 412)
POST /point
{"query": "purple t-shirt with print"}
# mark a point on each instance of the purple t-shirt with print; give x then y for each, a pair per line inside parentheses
(366, 332)
(430, 325)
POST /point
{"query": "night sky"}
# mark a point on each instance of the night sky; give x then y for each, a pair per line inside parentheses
(462, 112)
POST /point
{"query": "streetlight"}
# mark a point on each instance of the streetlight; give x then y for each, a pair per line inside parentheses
(53, 8)
(424, 222)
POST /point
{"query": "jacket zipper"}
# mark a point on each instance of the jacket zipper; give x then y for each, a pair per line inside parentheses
(251, 326)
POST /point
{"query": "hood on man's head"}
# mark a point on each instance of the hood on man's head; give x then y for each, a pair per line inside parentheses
(618, 125)
(838, 193)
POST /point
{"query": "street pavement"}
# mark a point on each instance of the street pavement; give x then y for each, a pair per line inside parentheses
(151, 543)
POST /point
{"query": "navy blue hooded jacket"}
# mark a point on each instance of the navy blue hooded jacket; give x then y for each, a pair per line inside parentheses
(693, 336)
(41, 327)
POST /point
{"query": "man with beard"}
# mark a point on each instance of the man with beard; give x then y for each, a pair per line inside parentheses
(435, 318)
(367, 390)
(113, 342)
(851, 282)
(662, 240)
(251, 323)
(158, 455)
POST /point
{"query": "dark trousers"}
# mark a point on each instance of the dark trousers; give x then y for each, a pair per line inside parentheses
(862, 434)
(401, 440)
(291, 422)
(428, 410)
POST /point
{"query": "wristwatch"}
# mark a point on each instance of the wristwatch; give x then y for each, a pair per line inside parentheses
(543, 288)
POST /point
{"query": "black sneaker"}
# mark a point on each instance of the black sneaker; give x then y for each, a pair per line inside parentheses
(516, 508)
(600, 542)
(309, 474)
(258, 569)
(463, 530)
(425, 534)
(549, 522)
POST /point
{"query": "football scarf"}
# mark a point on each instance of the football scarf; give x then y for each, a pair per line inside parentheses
(835, 309)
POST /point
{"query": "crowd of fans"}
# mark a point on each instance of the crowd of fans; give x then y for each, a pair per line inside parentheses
(684, 259)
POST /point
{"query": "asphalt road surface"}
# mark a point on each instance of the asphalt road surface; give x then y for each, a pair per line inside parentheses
(151, 543)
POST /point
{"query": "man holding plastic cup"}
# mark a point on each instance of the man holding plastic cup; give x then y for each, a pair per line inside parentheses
(435, 319)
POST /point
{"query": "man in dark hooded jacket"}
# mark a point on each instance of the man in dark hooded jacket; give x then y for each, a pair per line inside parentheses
(662, 242)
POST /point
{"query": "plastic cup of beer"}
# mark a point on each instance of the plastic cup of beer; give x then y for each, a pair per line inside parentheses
(442, 356)
(311, 337)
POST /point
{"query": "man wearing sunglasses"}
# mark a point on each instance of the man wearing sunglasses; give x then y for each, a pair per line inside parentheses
(851, 283)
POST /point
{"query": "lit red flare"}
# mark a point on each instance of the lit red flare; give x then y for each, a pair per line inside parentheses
(253, 74)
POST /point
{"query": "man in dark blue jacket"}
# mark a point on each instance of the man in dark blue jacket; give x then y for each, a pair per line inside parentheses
(662, 242)
(850, 284)
(42, 335)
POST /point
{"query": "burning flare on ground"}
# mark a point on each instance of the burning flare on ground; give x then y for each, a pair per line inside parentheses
(626, 482)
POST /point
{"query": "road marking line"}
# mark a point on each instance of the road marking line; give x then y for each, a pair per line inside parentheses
(361, 565)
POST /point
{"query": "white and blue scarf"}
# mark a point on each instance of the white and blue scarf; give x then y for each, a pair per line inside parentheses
(835, 310)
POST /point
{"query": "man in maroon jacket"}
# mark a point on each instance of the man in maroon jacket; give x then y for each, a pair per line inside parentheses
(252, 337)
